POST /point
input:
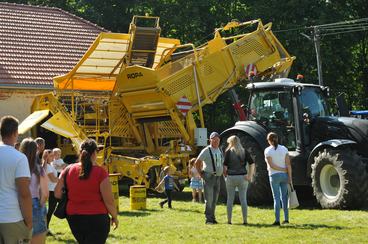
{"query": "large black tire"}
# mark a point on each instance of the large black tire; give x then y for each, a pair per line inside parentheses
(339, 179)
(259, 191)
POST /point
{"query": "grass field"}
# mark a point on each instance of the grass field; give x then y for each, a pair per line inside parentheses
(185, 224)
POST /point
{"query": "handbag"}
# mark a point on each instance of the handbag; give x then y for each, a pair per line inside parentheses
(60, 210)
(293, 198)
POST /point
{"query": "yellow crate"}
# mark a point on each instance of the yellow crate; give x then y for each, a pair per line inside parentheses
(138, 197)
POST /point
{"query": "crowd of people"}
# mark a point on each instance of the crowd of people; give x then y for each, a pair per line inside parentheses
(31, 176)
(238, 168)
(31, 181)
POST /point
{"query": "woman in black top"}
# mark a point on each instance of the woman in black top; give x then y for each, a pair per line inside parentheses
(236, 159)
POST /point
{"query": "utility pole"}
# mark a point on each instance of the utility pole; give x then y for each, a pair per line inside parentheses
(316, 40)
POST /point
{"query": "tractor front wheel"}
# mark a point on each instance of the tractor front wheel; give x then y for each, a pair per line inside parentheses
(339, 179)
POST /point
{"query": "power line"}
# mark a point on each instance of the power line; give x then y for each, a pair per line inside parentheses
(343, 32)
(291, 29)
(344, 22)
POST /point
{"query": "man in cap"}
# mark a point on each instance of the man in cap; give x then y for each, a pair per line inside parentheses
(210, 165)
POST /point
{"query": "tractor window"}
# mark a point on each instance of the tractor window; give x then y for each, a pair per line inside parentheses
(313, 102)
(271, 106)
(274, 110)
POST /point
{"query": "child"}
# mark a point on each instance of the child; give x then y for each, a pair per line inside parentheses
(168, 180)
(58, 162)
(195, 181)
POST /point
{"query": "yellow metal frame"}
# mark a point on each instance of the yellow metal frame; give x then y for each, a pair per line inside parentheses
(135, 109)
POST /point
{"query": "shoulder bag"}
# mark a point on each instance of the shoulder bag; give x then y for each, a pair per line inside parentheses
(60, 210)
(293, 199)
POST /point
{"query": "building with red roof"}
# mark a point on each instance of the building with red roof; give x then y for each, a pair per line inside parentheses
(36, 44)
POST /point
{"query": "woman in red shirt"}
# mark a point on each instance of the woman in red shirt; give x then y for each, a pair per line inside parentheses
(90, 198)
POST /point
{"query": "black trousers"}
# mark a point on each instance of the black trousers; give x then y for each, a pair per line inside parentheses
(169, 198)
(90, 228)
(52, 206)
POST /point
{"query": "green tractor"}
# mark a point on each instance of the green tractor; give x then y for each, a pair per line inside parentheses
(327, 152)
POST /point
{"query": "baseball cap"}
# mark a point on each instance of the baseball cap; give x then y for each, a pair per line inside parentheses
(214, 134)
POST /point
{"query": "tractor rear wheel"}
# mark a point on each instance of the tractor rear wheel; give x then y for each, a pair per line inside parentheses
(339, 179)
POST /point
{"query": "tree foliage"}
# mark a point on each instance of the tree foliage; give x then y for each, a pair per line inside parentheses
(344, 56)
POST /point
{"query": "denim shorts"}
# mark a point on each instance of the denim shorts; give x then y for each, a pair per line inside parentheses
(38, 217)
(196, 183)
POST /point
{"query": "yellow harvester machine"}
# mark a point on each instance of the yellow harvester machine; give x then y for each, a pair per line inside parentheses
(137, 94)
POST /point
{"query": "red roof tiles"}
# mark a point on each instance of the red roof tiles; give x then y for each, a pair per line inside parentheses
(38, 43)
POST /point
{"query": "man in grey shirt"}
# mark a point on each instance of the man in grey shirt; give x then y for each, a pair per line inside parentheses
(210, 165)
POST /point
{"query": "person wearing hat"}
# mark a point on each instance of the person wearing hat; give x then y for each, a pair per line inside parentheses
(210, 165)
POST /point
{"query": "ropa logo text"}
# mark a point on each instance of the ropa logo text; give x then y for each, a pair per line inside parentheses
(134, 75)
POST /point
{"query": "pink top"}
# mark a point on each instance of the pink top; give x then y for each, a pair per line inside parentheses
(35, 186)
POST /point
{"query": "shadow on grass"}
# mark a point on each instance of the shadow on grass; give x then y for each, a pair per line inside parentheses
(189, 210)
(56, 237)
(137, 213)
(298, 226)
(313, 226)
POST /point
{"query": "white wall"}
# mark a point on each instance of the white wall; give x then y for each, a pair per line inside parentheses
(16, 104)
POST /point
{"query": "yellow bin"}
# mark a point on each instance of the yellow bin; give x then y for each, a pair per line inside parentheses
(137, 197)
(114, 180)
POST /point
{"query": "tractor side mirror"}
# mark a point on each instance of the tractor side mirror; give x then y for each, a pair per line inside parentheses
(342, 106)
(326, 91)
(297, 90)
(306, 119)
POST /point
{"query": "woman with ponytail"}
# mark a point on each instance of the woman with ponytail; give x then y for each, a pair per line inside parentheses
(90, 199)
(39, 190)
(279, 171)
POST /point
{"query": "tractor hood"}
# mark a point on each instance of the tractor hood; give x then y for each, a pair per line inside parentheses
(326, 128)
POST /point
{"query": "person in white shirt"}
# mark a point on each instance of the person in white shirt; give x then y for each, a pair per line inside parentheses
(48, 158)
(15, 195)
(58, 162)
(279, 171)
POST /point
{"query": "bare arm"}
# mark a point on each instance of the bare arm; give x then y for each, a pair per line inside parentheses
(288, 167)
(52, 178)
(108, 199)
(58, 191)
(176, 186)
(190, 172)
(249, 176)
(198, 164)
(225, 171)
(44, 189)
(273, 166)
(226, 161)
(159, 184)
(25, 199)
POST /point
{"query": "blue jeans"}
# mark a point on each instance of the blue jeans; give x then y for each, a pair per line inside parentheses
(279, 182)
(38, 217)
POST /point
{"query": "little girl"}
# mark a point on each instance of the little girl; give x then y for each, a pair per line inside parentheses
(195, 181)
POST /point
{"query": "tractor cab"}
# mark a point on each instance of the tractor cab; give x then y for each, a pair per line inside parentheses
(287, 108)
(326, 152)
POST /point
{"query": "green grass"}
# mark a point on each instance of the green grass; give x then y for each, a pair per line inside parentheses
(185, 224)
